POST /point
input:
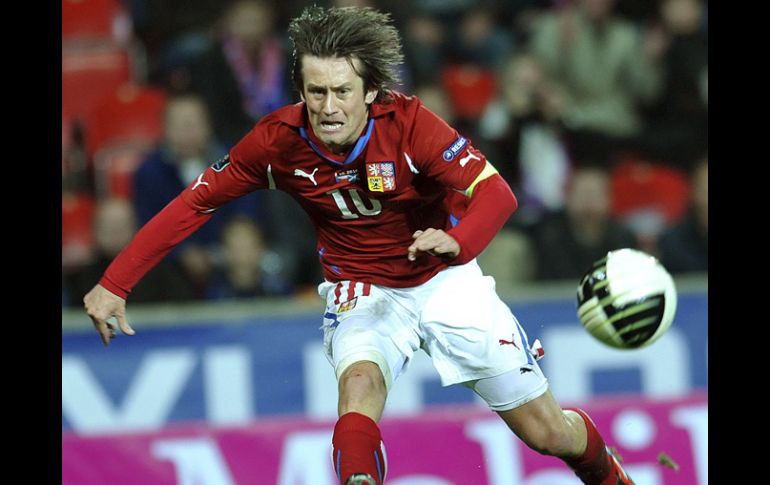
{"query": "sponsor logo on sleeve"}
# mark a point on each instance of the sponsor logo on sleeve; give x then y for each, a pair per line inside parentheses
(199, 182)
(455, 148)
(467, 158)
(220, 164)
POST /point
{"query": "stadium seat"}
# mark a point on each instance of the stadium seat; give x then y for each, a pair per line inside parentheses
(88, 73)
(648, 196)
(470, 88)
(115, 167)
(77, 211)
(95, 20)
(127, 114)
(123, 127)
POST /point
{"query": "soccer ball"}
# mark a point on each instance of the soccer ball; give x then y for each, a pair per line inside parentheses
(627, 299)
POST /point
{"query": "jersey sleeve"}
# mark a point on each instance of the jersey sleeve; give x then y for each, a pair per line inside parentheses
(169, 227)
(490, 207)
(244, 169)
(442, 153)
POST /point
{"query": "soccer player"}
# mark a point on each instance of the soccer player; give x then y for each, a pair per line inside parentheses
(402, 205)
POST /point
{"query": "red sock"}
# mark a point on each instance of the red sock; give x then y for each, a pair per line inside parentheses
(594, 466)
(357, 448)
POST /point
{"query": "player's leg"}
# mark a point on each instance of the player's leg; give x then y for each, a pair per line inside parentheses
(357, 448)
(360, 340)
(474, 339)
(362, 390)
(543, 426)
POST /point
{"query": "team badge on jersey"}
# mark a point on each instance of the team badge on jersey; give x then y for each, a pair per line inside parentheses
(220, 164)
(349, 176)
(381, 176)
(347, 305)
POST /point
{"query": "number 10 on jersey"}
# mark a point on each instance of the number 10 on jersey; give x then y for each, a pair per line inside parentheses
(360, 206)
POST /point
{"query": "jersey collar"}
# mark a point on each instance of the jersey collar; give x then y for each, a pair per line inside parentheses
(363, 140)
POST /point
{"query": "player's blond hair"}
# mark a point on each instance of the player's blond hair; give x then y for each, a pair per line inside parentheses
(351, 33)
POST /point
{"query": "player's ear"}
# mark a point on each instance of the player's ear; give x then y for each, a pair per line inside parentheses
(370, 95)
(302, 95)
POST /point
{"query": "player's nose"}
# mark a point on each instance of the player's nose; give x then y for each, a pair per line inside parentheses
(329, 106)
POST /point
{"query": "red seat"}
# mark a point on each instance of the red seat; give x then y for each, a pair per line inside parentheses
(95, 20)
(77, 212)
(88, 73)
(648, 197)
(115, 167)
(469, 88)
(129, 114)
(123, 127)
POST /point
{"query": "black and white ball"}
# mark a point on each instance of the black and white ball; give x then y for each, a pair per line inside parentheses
(627, 299)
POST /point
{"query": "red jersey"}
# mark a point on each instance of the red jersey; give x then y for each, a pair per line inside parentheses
(408, 171)
(364, 210)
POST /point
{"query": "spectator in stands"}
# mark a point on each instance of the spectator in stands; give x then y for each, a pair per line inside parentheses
(172, 31)
(520, 16)
(434, 97)
(187, 149)
(248, 267)
(243, 76)
(479, 40)
(521, 130)
(474, 47)
(677, 122)
(425, 40)
(510, 259)
(685, 247)
(114, 225)
(568, 241)
(606, 67)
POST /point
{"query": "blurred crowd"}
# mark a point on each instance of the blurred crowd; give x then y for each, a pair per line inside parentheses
(595, 111)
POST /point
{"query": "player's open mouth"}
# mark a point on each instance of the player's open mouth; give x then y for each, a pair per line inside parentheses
(331, 125)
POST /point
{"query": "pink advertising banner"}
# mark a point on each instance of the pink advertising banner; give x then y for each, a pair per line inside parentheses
(444, 446)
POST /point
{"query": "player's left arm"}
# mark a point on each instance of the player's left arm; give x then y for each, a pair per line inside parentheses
(452, 160)
(491, 203)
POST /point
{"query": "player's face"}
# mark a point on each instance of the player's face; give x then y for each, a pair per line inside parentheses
(337, 105)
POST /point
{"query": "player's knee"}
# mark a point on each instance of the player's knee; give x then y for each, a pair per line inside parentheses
(362, 378)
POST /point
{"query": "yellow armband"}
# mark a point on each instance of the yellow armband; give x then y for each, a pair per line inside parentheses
(488, 171)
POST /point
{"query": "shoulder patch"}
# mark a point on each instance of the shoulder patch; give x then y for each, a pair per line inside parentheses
(455, 148)
(220, 164)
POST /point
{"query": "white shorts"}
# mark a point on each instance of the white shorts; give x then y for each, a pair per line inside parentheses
(456, 318)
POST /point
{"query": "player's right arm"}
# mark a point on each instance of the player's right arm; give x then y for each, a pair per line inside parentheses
(233, 176)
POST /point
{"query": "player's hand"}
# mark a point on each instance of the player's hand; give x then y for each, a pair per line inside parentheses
(101, 305)
(434, 242)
